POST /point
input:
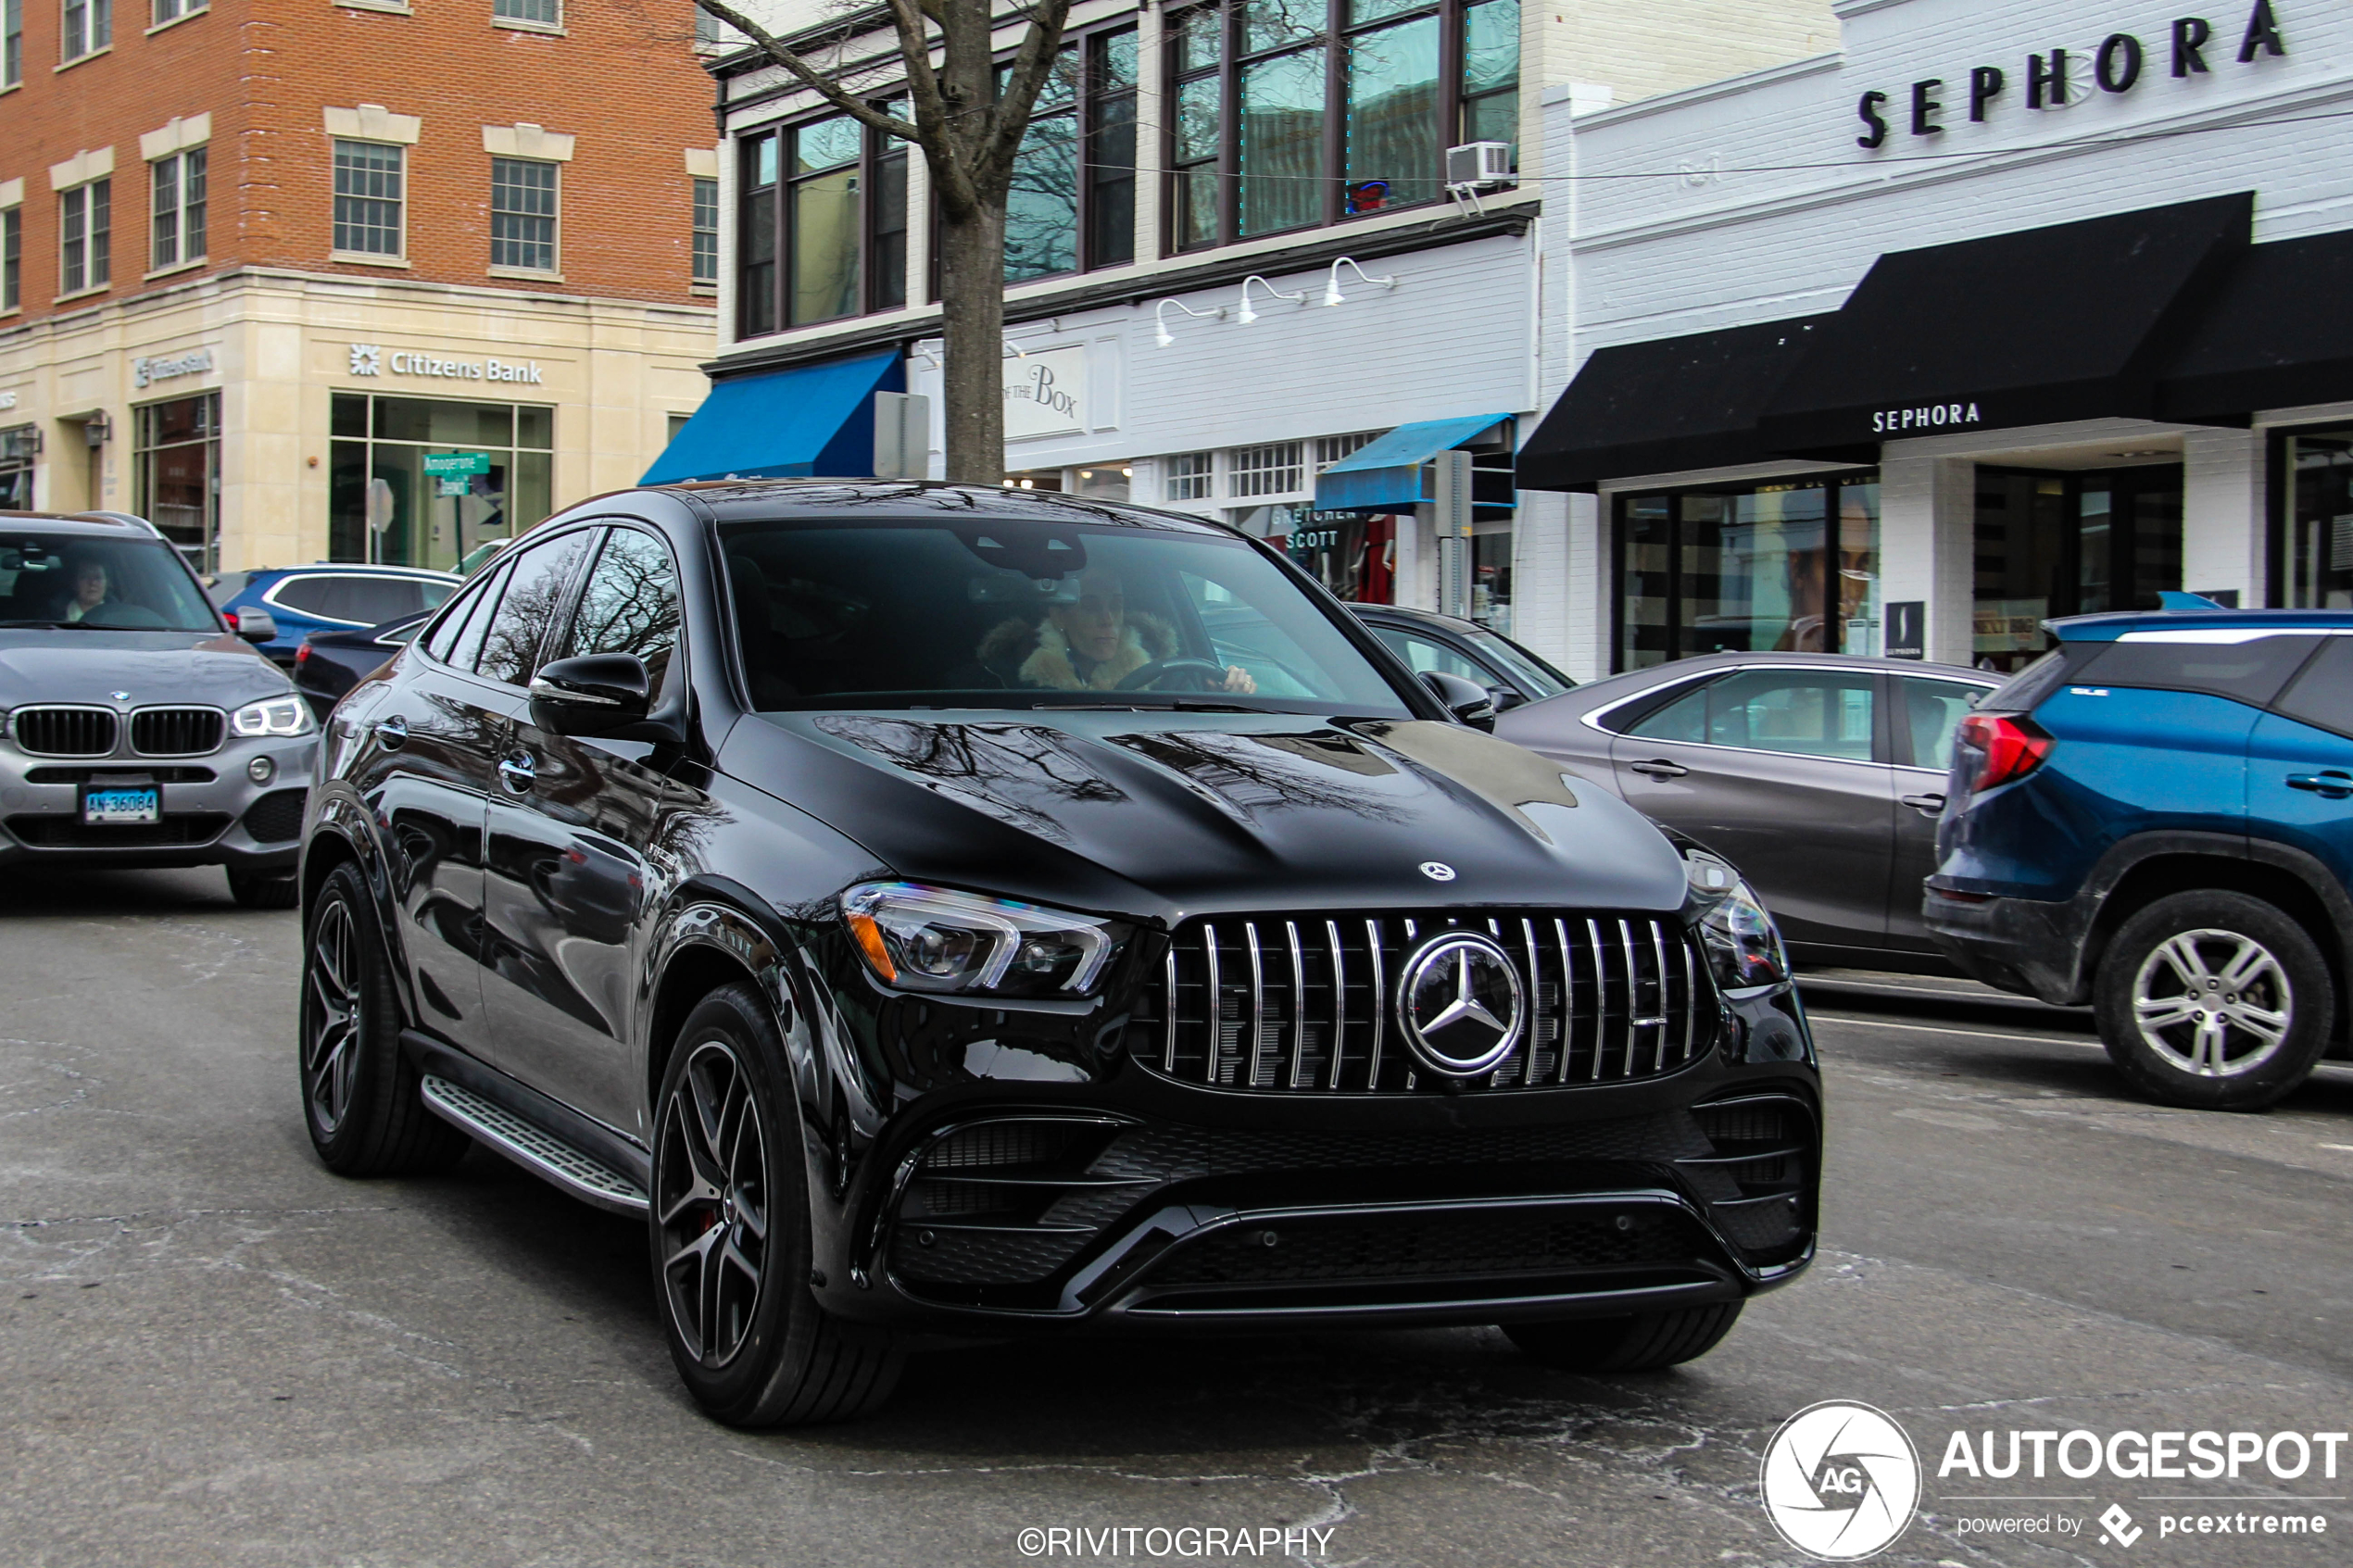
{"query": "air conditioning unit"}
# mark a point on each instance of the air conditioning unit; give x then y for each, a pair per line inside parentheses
(1478, 166)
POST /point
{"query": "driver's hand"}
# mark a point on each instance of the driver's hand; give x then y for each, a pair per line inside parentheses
(1239, 682)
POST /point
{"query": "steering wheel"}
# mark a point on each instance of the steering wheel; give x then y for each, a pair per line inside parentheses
(1150, 675)
(128, 616)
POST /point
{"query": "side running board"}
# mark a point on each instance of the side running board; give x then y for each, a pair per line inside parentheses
(538, 1151)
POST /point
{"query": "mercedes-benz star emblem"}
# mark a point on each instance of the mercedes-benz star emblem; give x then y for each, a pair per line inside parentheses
(1460, 1004)
(1438, 870)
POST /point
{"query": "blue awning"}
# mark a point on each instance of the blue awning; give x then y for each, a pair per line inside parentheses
(1386, 474)
(816, 421)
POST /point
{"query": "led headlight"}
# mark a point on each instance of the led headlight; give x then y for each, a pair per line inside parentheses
(1742, 945)
(921, 939)
(287, 715)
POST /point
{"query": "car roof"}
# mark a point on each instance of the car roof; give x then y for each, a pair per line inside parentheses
(1606, 689)
(852, 500)
(94, 525)
(2107, 628)
(350, 569)
(1431, 617)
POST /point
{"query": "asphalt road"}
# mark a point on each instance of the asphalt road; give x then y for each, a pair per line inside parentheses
(212, 1351)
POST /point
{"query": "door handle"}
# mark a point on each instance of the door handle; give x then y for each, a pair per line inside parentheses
(2330, 784)
(1660, 769)
(391, 733)
(518, 773)
(1929, 802)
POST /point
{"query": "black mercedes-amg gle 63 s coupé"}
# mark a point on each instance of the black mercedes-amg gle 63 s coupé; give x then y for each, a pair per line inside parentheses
(966, 912)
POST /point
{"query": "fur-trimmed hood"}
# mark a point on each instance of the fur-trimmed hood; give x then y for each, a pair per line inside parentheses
(1039, 655)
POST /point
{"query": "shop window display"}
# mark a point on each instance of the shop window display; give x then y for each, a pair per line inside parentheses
(384, 507)
(176, 460)
(2051, 545)
(2319, 558)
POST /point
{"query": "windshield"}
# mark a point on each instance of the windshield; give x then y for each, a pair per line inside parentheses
(1538, 678)
(114, 584)
(1002, 613)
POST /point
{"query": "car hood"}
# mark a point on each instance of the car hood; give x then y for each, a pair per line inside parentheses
(1171, 816)
(212, 667)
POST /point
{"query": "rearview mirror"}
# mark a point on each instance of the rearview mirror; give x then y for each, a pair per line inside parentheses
(1466, 700)
(596, 694)
(254, 624)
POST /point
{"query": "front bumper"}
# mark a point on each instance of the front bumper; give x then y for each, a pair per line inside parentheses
(214, 811)
(1135, 1203)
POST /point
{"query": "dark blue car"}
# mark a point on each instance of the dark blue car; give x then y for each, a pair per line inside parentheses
(2157, 818)
(329, 597)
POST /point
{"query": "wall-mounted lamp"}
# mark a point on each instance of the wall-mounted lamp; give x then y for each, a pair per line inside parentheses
(1160, 319)
(1331, 285)
(97, 430)
(1248, 315)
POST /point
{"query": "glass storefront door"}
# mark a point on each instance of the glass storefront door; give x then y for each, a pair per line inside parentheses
(1789, 566)
(2318, 567)
(383, 505)
(176, 457)
(2051, 544)
(19, 445)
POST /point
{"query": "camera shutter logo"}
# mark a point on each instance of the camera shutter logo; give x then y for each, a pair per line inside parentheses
(1460, 1004)
(1840, 1481)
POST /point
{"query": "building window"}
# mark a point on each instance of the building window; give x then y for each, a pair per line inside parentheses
(89, 27)
(1190, 476)
(1291, 113)
(812, 246)
(2318, 561)
(1066, 210)
(2050, 545)
(522, 214)
(179, 183)
(545, 13)
(85, 233)
(705, 231)
(384, 507)
(11, 259)
(11, 42)
(173, 10)
(1788, 567)
(176, 454)
(368, 197)
(20, 448)
(1275, 470)
(1330, 449)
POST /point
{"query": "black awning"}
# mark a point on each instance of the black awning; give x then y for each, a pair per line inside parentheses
(1664, 406)
(2072, 322)
(2278, 335)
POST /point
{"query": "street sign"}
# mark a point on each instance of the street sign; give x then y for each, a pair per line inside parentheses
(453, 484)
(440, 465)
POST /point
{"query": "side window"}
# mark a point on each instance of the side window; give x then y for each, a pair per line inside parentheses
(1933, 710)
(2252, 671)
(372, 601)
(1802, 712)
(2323, 695)
(312, 595)
(444, 640)
(536, 584)
(467, 648)
(1423, 656)
(630, 604)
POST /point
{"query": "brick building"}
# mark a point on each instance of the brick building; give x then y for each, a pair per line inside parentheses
(259, 258)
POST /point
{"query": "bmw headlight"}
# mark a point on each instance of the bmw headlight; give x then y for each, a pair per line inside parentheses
(1743, 946)
(287, 715)
(920, 938)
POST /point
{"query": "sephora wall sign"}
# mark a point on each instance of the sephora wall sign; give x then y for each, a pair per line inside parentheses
(2192, 46)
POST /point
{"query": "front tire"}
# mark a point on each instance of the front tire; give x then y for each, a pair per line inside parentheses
(729, 1230)
(1644, 1342)
(2214, 1000)
(361, 1094)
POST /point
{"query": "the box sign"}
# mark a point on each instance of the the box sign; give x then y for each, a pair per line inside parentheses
(369, 359)
(1046, 394)
(146, 372)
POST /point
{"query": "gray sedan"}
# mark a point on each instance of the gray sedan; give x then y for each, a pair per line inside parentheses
(1819, 776)
(135, 728)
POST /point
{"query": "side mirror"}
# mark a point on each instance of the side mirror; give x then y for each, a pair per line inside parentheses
(596, 694)
(1506, 698)
(1466, 700)
(254, 624)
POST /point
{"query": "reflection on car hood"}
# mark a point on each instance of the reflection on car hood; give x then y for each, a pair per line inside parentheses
(69, 665)
(1172, 815)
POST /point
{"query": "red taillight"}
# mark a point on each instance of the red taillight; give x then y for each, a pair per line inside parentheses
(2013, 748)
(302, 653)
(231, 617)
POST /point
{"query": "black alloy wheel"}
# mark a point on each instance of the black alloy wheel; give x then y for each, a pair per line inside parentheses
(361, 1096)
(2214, 1000)
(729, 1232)
(1644, 1342)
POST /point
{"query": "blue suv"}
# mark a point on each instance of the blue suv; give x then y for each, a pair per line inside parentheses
(2157, 818)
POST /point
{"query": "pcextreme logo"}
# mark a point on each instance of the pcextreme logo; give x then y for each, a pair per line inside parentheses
(1840, 1481)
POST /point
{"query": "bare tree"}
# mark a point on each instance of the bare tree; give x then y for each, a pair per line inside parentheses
(970, 132)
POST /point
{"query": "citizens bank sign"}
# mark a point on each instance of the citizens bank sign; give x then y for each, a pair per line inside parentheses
(369, 359)
(146, 372)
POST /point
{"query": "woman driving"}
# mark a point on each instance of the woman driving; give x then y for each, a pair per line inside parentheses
(1093, 645)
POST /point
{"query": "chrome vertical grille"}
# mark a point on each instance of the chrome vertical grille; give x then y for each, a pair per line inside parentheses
(1303, 1003)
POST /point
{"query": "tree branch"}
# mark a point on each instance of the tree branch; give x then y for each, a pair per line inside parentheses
(1040, 43)
(856, 108)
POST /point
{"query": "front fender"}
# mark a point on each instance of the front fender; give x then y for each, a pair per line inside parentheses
(343, 828)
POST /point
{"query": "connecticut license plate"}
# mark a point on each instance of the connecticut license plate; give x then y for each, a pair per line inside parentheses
(122, 803)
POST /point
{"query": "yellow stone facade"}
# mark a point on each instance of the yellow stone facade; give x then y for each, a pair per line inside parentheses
(278, 345)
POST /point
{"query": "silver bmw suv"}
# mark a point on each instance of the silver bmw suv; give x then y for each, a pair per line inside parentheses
(136, 727)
